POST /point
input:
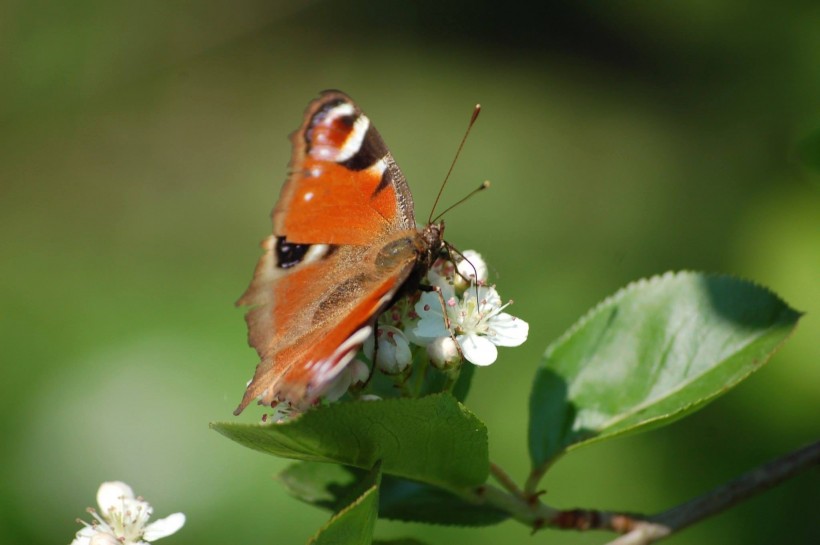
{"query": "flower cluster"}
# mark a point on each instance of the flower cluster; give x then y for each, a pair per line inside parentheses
(465, 310)
(123, 519)
(455, 316)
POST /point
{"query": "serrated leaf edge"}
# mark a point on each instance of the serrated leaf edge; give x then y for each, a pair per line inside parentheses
(355, 503)
(645, 282)
(314, 412)
(620, 294)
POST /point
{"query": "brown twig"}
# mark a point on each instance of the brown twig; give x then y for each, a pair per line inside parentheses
(747, 485)
(641, 529)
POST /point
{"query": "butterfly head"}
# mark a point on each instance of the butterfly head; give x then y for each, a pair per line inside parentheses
(432, 239)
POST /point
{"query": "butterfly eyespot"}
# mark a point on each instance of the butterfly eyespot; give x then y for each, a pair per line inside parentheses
(289, 254)
(348, 203)
(346, 120)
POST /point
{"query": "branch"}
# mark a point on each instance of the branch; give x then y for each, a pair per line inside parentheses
(744, 487)
(650, 529)
(642, 529)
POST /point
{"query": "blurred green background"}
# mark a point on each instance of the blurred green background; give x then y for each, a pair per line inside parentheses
(142, 146)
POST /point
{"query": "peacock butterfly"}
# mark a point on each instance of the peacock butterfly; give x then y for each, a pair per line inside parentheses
(344, 246)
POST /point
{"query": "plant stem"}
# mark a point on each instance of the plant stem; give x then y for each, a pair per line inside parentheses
(505, 480)
(451, 378)
(421, 373)
(747, 485)
(644, 529)
(531, 486)
(533, 514)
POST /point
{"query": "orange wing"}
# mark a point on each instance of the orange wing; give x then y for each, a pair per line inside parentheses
(344, 241)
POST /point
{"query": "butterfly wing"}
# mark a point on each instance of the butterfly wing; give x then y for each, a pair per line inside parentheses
(344, 240)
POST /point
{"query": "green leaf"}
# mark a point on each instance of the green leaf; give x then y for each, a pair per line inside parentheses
(652, 353)
(400, 541)
(330, 486)
(411, 501)
(433, 439)
(354, 524)
(324, 485)
(435, 380)
(425, 380)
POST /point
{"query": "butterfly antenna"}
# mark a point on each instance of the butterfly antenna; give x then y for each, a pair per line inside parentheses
(484, 185)
(476, 111)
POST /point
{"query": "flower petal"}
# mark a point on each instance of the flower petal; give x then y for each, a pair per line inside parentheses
(431, 324)
(444, 283)
(507, 330)
(111, 494)
(359, 371)
(471, 264)
(477, 349)
(103, 538)
(164, 527)
(487, 296)
(338, 386)
(393, 350)
(443, 353)
(83, 537)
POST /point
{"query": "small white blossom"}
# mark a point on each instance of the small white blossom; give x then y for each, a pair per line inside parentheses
(123, 519)
(473, 267)
(444, 353)
(455, 279)
(442, 275)
(282, 412)
(355, 372)
(393, 354)
(477, 320)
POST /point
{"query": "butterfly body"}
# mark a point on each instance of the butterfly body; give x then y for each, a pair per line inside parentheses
(344, 246)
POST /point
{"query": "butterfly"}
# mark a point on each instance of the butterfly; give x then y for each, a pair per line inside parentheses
(345, 245)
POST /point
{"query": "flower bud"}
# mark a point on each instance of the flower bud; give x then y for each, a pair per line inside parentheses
(444, 353)
(392, 349)
(471, 270)
(111, 494)
(356, 371)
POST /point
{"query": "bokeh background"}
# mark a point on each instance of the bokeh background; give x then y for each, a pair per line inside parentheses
(142, 145)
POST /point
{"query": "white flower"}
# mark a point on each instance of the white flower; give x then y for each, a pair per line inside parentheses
(442, 275)
(473, 267)
(476, 320)
(393, 354)
(282, 412)
(455, 279)
(123, 519)
(444, 353)
(356, 371)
